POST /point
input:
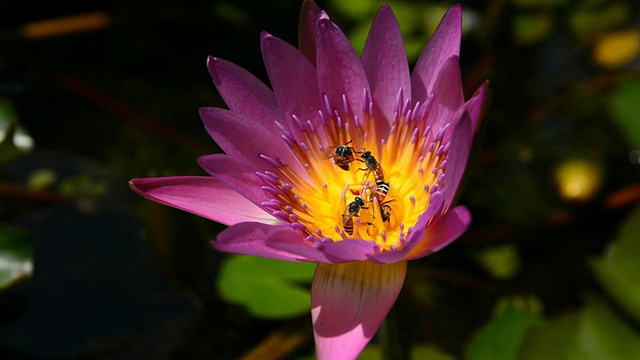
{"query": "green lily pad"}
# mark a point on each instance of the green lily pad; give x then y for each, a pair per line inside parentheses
(501, 337)
(592, 334)
(16, 256)
(625, 109)
(619, 269)
(268, 288)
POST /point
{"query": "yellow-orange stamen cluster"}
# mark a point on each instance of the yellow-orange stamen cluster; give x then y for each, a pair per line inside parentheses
(412, 155)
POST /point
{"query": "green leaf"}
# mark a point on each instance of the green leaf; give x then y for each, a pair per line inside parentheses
(16, 256)
(501, 261)
(267, 288)
(532, 28)
(593, 333)
(501, 337)
(619, 269)
(625, 108)
(14, 139)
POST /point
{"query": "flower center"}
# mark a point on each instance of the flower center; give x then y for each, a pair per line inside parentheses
(358, 186)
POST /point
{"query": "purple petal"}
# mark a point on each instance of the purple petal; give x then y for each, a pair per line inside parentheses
(416, 232)
(349, 302)
(290, 240)
(202, 196)
(443, 232)
(475, 104)
(242, 137)
(244, 93)
(461, 140)
(385, 62)
(340, 71)
(249, 238)
(448, 94)
(307, 30)
(347, 250)
(237, 174)
(293, 79)
(444, 43)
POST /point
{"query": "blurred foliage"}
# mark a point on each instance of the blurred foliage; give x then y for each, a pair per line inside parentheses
(501, 261)
(16, 256)
(626, 110)
(595, 332)
(500, 338)
(419, 351)
(14, 139)
(268, 288)
(619, 269)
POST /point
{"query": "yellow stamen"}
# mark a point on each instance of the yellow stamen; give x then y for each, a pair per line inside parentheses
(411, 157)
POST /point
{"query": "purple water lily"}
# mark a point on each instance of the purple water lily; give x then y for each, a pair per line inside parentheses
(351, 162)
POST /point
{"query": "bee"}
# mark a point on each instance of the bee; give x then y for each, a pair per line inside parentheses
(372, 166)
(343, 155)
(385, 210)
(381, 190)
(352, 210)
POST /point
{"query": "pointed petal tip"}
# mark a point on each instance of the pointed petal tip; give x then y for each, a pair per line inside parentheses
(264, 35)
(323, 17)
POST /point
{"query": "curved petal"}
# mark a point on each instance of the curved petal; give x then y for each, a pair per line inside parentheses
(474, 105)
(237, 174)
(442, 233)
(444, 43)
(448, 94)
(385, 62)
(326, 251)
(248, 238)
(202, 196)
(242, 137)
(244, 93)
(349, 302)
(290, 240)
(340, 71)
(347, 250)
(293, 79)
(307, 30)
(415, 233)
(459, 150)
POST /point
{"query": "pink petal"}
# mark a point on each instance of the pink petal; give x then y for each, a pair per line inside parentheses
(340, 71)
(444, 43)
(347, 250)
(202, 196)
(237, 174)
(242, 137)
(307, 30)
(293, 79)
(349, 302)
(249, 238)
(459, 149)
(443, 232)
(448, 94)
(290, 240)
(415, 233)
(475, 104)
(385, 62)
(244, 93)
(322, 251)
